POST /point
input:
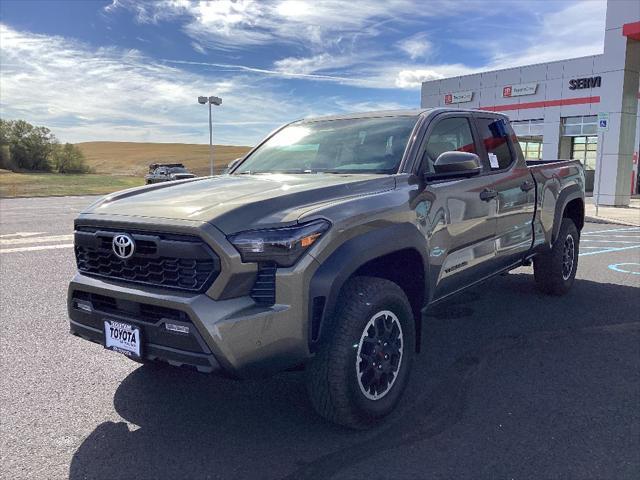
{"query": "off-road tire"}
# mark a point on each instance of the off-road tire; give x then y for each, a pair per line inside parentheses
(548, 267)
(332, 379)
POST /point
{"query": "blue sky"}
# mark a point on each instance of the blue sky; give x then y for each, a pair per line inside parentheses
(130, 70)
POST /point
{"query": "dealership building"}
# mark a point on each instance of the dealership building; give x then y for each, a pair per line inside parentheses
(556, 107)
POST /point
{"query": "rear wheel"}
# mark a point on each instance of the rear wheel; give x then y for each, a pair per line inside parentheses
(555, 271)
(358, 375)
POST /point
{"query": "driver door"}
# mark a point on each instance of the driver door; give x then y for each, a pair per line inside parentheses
(458, 226)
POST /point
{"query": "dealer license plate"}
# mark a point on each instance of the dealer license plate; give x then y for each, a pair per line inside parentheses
(122, 337)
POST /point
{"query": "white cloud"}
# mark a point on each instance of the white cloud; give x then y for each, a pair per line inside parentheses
(414, 78)
(198, 48)
(416, 46)
(309, 65)
(111, 94)
(108, 93)
(84, 93)
(573, 31)
(232, 24)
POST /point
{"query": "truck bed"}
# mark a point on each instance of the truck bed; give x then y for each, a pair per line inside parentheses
(556, 183)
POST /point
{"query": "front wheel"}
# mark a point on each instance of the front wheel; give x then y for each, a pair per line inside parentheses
(362, 367)
(555, 271)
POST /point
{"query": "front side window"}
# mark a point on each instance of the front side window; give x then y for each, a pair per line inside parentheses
(358, 145)
(450, 134)
(494, 135)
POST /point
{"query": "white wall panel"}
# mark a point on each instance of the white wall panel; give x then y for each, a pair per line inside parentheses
(620, 12)
(555, 70)
(611, 81)
(471, 82)
(575, 110)
(449, 85)
(553, 89)
(488, 79)
(532, 114)
(578, 67)
(533, 73)
(508, 77)
(487, 97)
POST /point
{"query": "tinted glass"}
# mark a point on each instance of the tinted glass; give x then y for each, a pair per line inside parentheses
(494, 135)
(361, 145)
(450, 134)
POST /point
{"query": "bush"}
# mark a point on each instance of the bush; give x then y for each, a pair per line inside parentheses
(68, 158)
(25, 147)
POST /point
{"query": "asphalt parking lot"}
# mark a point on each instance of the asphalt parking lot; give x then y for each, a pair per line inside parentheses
(510, 384)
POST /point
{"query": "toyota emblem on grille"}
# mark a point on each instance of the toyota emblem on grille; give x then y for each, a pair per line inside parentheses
(123, 246)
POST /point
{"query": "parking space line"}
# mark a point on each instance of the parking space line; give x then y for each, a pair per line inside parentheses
(608, 250)
(608, 241)
(21, 234)
(616, 267)
(627, 229)
(615, 236)
(50, 238)
(36, 248)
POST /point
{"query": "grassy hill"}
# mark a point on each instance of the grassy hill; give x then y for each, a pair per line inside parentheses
(115, 166)
(132, 158)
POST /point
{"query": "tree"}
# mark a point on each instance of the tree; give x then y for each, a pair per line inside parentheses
(5, 148)
(30, 146)
(68, 158)
(25, 147)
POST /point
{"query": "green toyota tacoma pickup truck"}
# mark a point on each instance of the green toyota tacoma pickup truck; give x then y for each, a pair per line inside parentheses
(322, 248)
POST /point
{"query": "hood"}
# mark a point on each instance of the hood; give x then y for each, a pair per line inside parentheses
(240, 202)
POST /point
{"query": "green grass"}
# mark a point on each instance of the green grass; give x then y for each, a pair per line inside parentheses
(47, 184)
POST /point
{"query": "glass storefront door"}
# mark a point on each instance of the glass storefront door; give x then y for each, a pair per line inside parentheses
(585, 149)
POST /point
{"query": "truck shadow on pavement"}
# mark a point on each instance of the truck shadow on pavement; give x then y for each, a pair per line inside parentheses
(181, 424)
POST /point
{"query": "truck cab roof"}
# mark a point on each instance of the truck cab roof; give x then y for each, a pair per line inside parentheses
(398, 113)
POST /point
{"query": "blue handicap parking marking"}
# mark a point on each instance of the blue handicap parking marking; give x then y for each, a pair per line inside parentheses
(632, 268)
(610, 240)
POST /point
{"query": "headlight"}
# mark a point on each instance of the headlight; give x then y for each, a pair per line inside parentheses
(280, 245)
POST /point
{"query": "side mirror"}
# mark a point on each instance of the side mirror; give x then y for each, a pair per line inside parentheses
(456, 164)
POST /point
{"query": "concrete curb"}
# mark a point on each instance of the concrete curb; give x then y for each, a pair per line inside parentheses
(593, 219)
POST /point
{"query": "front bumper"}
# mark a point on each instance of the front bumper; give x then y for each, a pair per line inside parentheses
(235, 336)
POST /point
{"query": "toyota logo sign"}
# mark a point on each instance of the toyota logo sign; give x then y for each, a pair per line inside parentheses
(123, 246)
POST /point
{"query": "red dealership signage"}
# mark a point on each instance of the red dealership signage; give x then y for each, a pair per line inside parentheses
(457, 97)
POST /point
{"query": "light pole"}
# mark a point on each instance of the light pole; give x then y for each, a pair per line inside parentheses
(211, 101)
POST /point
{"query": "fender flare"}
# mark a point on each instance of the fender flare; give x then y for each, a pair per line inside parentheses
(568, 194)
(329, 278)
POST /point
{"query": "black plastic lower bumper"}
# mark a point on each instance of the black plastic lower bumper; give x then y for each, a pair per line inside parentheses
(158, 343)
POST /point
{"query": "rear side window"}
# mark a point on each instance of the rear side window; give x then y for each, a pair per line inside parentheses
(494, 134)
(450, 134)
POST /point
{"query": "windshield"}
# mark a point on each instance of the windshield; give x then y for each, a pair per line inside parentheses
(361, 145)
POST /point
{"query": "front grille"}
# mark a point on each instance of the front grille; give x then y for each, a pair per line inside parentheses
(164, 260)
(264, 289)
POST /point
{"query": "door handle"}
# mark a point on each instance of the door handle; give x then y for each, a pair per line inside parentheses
(487, 194)
(527, 185)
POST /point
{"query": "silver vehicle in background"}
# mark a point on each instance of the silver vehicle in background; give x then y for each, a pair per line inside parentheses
(165, 172)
